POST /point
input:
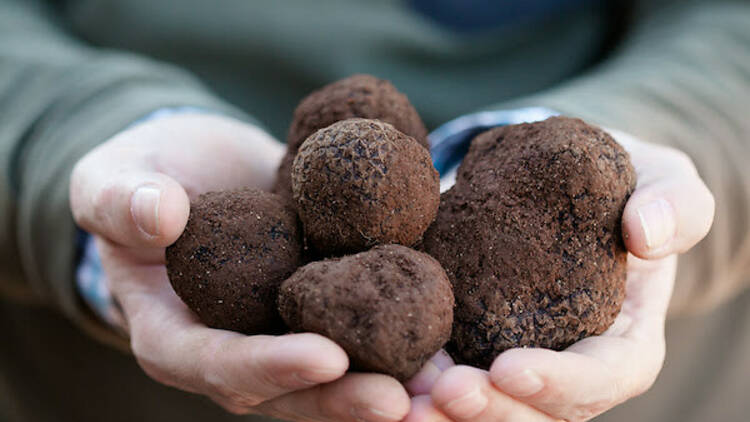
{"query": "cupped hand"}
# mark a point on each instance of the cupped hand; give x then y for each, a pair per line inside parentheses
(669, 212)
(132, 193)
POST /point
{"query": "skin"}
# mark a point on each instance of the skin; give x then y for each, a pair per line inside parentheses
(301, 377)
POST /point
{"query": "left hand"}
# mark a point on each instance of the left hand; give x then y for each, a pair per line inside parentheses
(669, 212)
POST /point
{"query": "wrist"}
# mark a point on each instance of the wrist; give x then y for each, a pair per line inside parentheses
(92, 284)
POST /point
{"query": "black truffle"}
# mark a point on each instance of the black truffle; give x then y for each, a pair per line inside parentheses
(362, 96)
(389, 308)
(530, 237)
(359, 183)
(237, 248)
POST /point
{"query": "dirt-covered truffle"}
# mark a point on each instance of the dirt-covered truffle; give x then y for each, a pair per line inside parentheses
(530, 237)
(359, 183)
(237, 248)
(389, 308)
(362, 96)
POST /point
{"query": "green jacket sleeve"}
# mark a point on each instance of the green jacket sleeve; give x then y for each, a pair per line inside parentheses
(682, 78)
(58, 99)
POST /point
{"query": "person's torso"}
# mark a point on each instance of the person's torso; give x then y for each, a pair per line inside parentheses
(450, 57)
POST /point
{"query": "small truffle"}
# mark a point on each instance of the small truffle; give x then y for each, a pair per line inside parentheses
(360, 183)
(237, 248)
(362, 96)
(389, 308)
(530, 237)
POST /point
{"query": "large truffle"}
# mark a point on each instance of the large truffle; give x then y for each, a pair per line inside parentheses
(359, 183)
(389, 308)
(237, 248)
(362, 96)
(530, 237)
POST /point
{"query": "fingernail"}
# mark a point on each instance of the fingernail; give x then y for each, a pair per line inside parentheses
(467, 406)
(144, 207)
(371, 414)
(430, 372)
(424, 380)
(658, 222)
(523, 384)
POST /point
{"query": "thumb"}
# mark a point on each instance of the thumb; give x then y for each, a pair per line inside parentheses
(667, 217)
(131, 207)
(671, 209)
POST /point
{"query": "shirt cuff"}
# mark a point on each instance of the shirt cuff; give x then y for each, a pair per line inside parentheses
(93, 286)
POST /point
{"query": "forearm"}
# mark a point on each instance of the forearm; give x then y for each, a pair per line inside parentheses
(60, 98)
(681, 79)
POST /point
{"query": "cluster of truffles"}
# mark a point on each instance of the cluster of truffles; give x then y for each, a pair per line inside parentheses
(524, 250)
(357, 187)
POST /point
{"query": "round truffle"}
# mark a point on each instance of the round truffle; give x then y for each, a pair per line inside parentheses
(389, 308)
(360, 183)
(530, 237)
(362, 96)
(237, 248)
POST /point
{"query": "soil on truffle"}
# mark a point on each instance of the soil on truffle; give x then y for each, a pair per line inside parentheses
(389, 308)
(237, 248)
(359, 183)
(361, 96)
(530, 237)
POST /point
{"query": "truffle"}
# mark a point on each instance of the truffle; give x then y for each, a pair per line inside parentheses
(389, 308)
(362, 96)
(237, 248)
(359, 183)
(530, 237)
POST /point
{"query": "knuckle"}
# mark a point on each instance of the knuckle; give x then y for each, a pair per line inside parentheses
(708, 197)
(240, 398)
(231, 407)
(262, 368)
(103, 200)
(218, 385)
(151, 367)
(682, 160)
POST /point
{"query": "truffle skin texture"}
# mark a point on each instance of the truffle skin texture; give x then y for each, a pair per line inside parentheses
(361, 96)
(237, 248)
(530, 238)
(389, 308)
(360, 183)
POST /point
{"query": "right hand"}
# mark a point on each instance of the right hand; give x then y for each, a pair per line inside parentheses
(132, 193)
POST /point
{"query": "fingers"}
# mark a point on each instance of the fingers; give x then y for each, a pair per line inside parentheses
(671, 209)
(424, 380)
(131, 208)
(569, 385)
(667, 216)
(465, 394)
(174, 348)
(134, 188)
(354, 398)
(598, 372)
(424, 410)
